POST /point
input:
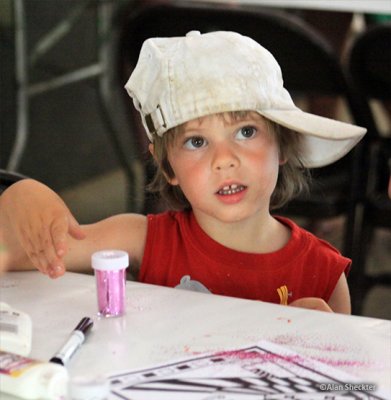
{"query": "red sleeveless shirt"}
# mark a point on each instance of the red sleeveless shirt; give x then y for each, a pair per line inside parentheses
(176, 246)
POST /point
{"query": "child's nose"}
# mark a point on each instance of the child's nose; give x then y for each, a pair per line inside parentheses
(224, 157)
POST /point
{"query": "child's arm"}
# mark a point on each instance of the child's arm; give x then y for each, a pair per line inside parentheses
(340, 298)
(311, 303)
(339, 301)
(38, 230)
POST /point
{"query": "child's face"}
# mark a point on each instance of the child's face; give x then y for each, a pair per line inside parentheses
(226, 168)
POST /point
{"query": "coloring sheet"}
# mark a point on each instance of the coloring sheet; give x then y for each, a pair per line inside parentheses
(262, 371)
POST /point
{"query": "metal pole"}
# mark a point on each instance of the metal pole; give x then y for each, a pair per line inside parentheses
(81, 74)
(21, 72)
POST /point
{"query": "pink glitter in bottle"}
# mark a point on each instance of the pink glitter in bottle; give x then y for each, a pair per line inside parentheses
(110, 272)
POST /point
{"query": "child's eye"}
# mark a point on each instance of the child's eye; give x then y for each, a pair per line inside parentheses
(246, 132)
(195, 142)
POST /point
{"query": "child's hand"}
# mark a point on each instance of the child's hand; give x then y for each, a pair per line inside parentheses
(312, 303)
(36, 223)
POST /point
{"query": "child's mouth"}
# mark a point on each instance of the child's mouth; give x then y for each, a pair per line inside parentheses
(231, 189)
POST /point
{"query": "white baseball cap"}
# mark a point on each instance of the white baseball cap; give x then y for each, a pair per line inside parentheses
(178, 79)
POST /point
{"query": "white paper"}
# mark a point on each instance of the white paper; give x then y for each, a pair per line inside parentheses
(257, 372)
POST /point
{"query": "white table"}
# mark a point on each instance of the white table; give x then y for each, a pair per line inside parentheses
(356, 6)
(162, 324)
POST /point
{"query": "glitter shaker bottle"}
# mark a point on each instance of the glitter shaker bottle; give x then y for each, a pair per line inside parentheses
(110, 272)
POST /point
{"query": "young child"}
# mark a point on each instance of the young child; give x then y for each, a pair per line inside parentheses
(229, 145)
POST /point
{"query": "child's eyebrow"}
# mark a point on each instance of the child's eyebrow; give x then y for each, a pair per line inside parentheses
(189, 131)
(228, 118)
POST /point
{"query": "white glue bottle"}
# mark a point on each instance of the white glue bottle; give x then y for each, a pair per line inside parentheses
(15, 330)
(32, 379)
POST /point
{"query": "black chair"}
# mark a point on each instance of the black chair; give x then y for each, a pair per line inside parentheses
(370, 65)
(7, 178)
(309, 66)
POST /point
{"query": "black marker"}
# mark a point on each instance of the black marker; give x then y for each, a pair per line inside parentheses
(74, 341)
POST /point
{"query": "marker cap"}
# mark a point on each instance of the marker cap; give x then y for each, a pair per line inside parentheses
(110, 260)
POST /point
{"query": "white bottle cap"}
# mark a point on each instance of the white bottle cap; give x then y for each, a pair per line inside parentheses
(56, 381)
(85, 388)
(110, 260)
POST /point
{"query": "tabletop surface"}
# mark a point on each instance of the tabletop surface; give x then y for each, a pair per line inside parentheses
(163, 324)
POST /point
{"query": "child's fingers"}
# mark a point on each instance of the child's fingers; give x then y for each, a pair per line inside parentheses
(42, 248)
(54, 265)
(56, 270)
(32, 251)
(37, 242)
(58, 230)
(44, 239)
(75, 229)
(36, 262)
(46, 261)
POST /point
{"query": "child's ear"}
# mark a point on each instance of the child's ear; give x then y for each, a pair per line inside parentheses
(151, 149)
(283, 161)
(172, 181)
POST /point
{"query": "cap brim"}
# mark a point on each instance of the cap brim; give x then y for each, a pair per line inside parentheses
(326, 140)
